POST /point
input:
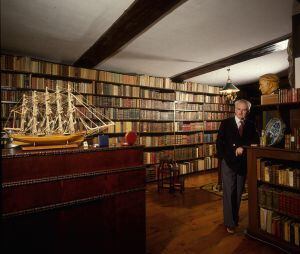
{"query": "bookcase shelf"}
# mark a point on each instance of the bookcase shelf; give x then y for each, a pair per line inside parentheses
(49, 76)
(281, 213)
(280, 186)
(172, 145)
(265, 220)
(149, 96)
(283, 104)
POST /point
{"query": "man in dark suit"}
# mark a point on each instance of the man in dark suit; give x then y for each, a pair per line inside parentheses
(234, 133)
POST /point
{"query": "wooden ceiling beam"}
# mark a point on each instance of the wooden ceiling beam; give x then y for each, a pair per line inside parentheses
(140, 15)
(260, 50)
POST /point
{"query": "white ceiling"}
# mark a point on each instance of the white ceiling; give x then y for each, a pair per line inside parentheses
(248, 71)
(196, 33)
(58, 30)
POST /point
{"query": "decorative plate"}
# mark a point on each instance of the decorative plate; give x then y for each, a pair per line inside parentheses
(274, 131)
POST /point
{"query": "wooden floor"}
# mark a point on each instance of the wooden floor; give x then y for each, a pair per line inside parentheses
(192, 222)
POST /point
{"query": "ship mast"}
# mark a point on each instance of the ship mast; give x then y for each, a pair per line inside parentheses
(48, 111)
(34, 113)
(70, 111)
(59, 110)
(23, 113)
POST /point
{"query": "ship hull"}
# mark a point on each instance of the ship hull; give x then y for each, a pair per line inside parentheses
(58, 139)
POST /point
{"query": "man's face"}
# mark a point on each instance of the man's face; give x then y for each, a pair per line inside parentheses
(241, 110)
(264, 86)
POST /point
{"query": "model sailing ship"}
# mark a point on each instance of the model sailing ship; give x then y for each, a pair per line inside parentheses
(60, 119)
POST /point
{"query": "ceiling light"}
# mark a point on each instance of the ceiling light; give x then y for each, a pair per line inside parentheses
(229, 90)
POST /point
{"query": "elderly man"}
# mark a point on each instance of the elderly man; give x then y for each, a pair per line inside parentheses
(234, 133)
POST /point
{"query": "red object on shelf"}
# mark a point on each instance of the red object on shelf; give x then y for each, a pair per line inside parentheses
(130, 137)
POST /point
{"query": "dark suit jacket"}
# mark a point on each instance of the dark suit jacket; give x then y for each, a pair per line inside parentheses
(229, 140)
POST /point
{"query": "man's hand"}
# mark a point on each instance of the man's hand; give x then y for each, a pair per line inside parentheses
(239, 151)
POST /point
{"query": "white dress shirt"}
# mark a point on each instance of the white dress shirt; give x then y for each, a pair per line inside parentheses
(238, 121)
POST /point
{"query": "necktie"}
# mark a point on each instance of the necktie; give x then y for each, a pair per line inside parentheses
(241, 128)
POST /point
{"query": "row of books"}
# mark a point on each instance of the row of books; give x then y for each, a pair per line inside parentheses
(5, 110)
(280, 226)
(285, 202)
(194, 138)
(211, 125)
(197, 165)
(210, 137)
(209, 149)
(156, 127)
(289, 95)
(120, 114)
(189, 153)
(194, 87)
(166, 83)
(15, 80)
(99, 101)
(154, 157)
(167, 140)
(181, 126)
(217, 116)
(154, 104)
(156, 115)
(186, 116)
(123, 127)
(157, 82)
(118, 78)
(13, 96)
(150, 127)
(188, 106)
(117, 90)
(152, 94)
(292, 141)
(218, 107)
(27, 64)
(199, 98)
(186, 153)
(181, 96)
(169, 127)
(277, 173)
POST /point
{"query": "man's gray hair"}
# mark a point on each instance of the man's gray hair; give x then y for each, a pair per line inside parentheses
(248, 103)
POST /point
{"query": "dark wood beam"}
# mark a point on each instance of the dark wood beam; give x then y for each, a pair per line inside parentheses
(248, 54)
(140, 15)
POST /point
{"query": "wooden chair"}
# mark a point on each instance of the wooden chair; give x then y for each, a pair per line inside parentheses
(169, 176)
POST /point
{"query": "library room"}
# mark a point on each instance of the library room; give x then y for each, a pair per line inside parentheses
(150, 126)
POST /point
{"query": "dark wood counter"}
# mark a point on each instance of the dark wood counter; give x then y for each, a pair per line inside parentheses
(74, 200)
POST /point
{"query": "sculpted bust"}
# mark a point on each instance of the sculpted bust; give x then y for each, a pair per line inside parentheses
(268, 83)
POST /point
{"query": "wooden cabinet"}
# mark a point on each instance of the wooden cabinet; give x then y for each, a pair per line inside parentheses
(285, 157)
(74, 201)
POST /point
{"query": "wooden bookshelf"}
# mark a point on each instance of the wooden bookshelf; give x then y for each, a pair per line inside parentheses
(141, 103)
(256, 228)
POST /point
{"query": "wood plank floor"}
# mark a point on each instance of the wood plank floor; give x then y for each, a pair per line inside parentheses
(192, 222)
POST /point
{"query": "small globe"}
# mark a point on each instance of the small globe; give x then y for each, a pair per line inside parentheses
(130, 137)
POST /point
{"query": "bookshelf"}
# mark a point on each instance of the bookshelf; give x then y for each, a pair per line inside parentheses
(176, 119)
(274, 196)
(288, 109)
